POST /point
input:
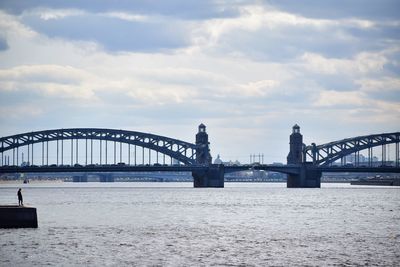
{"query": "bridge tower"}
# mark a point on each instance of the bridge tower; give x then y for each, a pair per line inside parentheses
(203, 155)
(214, 176)
(296, 146)
(307, 176)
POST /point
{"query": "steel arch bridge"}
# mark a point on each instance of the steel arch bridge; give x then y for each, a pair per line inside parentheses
(325, 154)
(176, 149)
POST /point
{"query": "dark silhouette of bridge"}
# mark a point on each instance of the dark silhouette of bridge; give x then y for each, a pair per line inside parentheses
(88, 150)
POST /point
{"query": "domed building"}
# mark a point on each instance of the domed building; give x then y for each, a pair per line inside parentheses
(218, 160)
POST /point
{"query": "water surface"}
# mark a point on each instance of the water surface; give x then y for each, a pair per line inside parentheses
(173, 224)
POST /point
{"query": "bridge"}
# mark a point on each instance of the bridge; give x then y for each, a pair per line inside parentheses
(88, 150)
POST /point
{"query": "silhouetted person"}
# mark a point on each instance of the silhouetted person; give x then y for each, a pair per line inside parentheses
(20, 201)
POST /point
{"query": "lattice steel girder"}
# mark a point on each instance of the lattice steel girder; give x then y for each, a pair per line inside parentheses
(157, 143)
(348, 146)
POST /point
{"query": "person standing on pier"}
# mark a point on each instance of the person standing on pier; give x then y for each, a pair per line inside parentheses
(20, 201)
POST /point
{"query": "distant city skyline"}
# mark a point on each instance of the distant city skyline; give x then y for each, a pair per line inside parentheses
(248, 70)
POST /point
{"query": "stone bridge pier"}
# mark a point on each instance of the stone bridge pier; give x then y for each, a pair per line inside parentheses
(307, 177)
(80, 178)
(106, 178)
(213, 177)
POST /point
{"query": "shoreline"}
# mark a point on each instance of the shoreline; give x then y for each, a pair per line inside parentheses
(21, 182)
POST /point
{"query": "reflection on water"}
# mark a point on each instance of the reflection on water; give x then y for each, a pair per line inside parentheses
(176, 225)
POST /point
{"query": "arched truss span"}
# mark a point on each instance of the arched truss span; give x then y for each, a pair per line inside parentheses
(182, 151)
(328, 153)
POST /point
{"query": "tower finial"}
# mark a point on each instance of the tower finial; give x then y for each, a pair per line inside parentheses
(296, 128)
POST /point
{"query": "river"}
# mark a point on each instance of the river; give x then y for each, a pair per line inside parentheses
(173, 224)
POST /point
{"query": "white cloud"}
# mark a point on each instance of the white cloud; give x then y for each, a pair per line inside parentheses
(21, 112)
(11, 26)
(46, 73)
(260, 88)
(50, 80)
(127, 16)
(362, 63)
(254, 18)
(379, 85)
(54, 14)
(161, 96)
(335, 98)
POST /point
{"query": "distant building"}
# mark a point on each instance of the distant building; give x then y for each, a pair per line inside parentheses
(175, 162)
(218, 160)
(226, 163)
(25, 163)
(361, 158)
(232, 163)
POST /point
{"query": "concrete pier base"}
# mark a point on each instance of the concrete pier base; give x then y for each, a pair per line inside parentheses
(79, 179)
(213, 177)
(106, 178)
(18, 217)
(307, 178)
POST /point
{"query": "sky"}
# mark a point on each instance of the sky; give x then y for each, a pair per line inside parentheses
(248, 70)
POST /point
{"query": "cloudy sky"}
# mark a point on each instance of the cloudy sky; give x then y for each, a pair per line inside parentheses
(249, 70)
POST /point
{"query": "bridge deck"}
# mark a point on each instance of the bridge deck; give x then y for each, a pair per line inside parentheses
(110, 168)
(288, 169)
